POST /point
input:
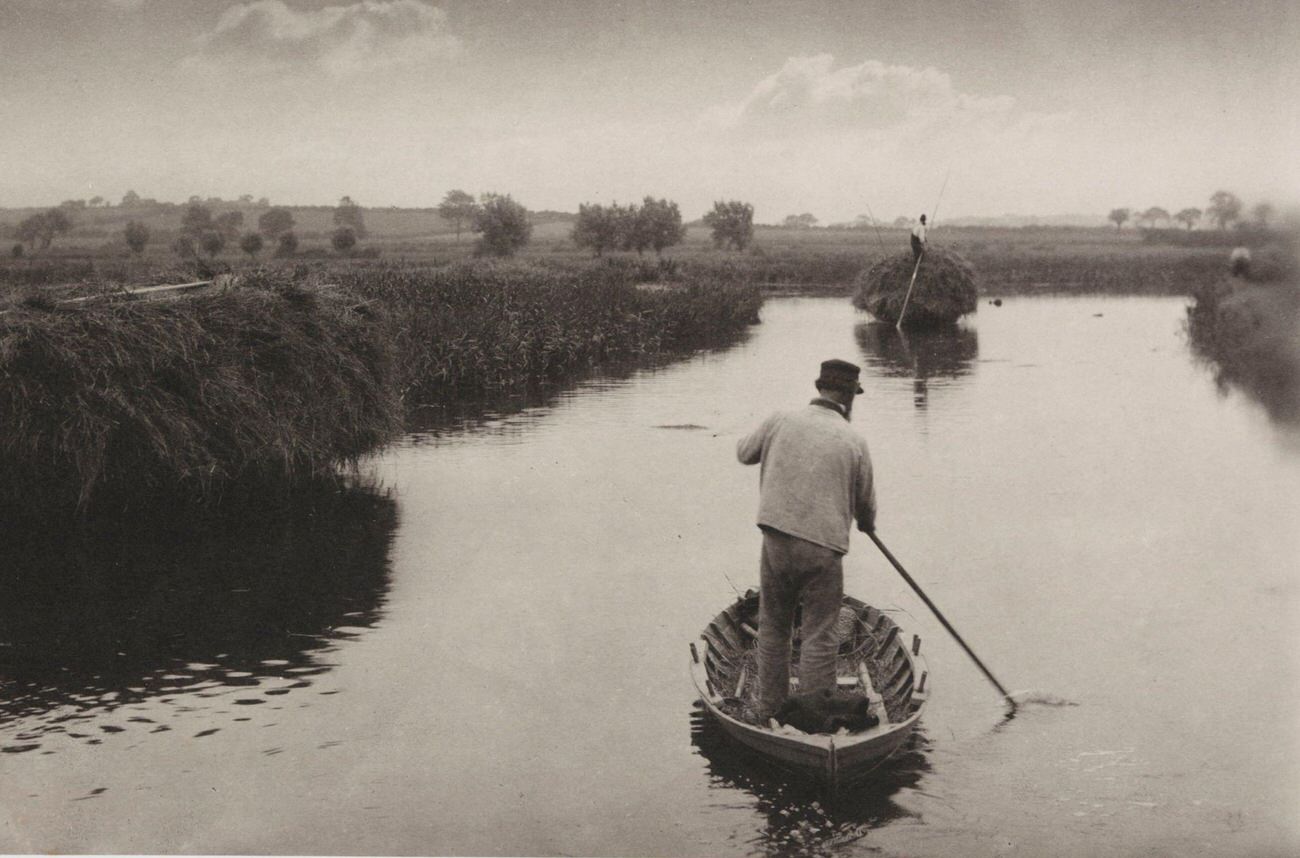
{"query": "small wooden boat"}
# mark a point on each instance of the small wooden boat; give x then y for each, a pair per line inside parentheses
(873, 659)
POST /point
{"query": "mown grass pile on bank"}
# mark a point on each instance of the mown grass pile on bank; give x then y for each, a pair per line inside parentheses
(467, 329)
(944, 289)
(126, 405)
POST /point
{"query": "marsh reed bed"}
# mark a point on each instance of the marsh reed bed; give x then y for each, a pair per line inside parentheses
(133, 406)
(1249, 332)
(467, 329)
(140, 405)
(1019, 272)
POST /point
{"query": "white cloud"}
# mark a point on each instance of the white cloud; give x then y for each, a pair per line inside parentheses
(811, 136)
(341, 40)
(808, 95)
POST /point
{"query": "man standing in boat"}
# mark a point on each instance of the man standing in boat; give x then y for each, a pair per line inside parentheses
(918, 239)
(815, 482)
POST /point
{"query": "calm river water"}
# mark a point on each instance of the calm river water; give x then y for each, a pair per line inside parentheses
(489, 655)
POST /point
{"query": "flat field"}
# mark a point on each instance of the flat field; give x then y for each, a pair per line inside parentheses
(1006, 260)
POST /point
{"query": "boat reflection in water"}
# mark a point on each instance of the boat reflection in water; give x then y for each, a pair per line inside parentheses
(940, 353)
(138, 634)
(801, 813)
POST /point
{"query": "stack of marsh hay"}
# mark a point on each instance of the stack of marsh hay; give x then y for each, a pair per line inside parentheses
(141, 405)
(944, 290)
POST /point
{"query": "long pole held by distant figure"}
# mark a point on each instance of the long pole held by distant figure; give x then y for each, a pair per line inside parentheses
(947, 625)
(880, 238)
(917, 267)
(908, 296)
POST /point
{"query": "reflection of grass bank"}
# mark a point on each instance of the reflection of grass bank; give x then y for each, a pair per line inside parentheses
(1251, 331)
(95, 626)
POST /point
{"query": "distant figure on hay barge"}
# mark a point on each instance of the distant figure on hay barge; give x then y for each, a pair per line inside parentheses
(1239, 262)
(944, 290)
(918, 240)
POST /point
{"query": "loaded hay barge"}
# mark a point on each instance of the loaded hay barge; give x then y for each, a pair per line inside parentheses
(873, 659)
(934, 292)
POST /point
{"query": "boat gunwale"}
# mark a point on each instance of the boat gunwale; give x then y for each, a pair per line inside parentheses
(825, 747)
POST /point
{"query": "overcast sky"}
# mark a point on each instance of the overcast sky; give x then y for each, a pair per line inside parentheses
(831, 108)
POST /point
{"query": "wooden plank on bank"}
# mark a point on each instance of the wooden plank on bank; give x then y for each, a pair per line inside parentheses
(223, 281)
(147, 291)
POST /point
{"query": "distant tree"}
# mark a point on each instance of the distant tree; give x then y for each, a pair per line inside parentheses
(660, 223)
(246, 199)
(212, 242)
(732, 223)
(16, 251)
(1118, 217)
(42, 228)
(348, 214)
(73, 205)
(183, 246)
(95, 202)
(902, 222)
(1262, 213)
(1225, 207)
(196, 220)
(136, 235)
(503, 224)
(600, 227)
(251, 244)
(287, 244)
(458, 208)
(263, 202)
(130, 199)
(275, 222)
(1153, 214)
(228, 224)
(634, 222)
(800, 221)
(344, 239)
(195, 200)
(1188, 216)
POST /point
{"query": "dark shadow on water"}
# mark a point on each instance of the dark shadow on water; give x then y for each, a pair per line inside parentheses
(804, 817)
(921, 355)
(1272, 384)
(144, 632)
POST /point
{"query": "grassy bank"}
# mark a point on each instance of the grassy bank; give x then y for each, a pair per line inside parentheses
(1250, 333)
(130, 405)
(468, 329)
(126, 405)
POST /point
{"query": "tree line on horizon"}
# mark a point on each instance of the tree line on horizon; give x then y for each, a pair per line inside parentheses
(504, 225)
(1224, 210)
